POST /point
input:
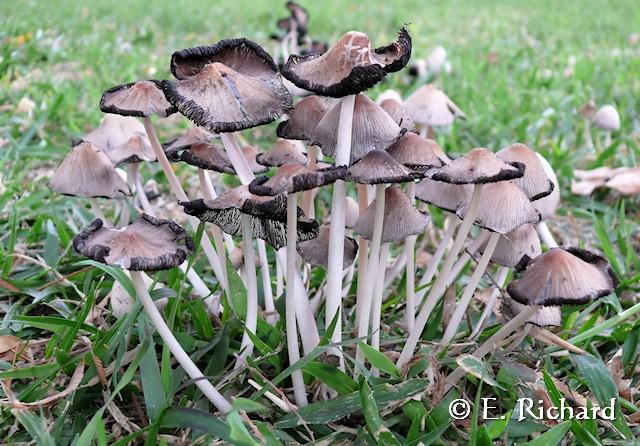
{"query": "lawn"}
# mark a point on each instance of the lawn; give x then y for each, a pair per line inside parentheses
(521, 71)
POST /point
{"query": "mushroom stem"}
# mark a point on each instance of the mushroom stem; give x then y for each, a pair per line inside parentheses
(607, 138)
(251, 319)
(209, 193)
(95, 208)
(492, 342)
(437, 290)
(587, 134)
(503, 272)
(423, 131)
(290, 303)
(546, 235)
(177, 190)
(269, 306)
(308, 196)
(279, 280)
(376, 307)
(466, 256)
(333, 303)
(409, 249)
(365, 307)
(176, 349)
(462, 305)
(142, 197)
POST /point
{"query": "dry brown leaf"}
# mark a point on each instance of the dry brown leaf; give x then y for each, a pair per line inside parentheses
(617, 372)
(11, 347)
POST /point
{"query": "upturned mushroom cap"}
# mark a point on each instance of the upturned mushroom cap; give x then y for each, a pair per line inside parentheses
(503, 208)
(416, 153)
(147, 244)
(283, 152)
(193, 135)
(303, 120)
(401, 218)
(141, 98)
(449, 197)
(512, 247)
(349, 67)
(292, 178)
(269, 215)
(372, 129)
(87, 172)
(544, 317)
(547, 205)
(562, 276)
(534, 182)
(626, 182)
(250, 153)
(316, 251)
(478, 166)
(607, 118)
(379, 167)
(205, 156)
(428, 105)
(398, 113)
(115, 131)
(226, 87)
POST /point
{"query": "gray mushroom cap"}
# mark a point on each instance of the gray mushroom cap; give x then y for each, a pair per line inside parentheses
(446, 196)
(147, 244)
(429, 106)
(512, 247)
(141, 98)
(417, 153)
(292, 178)
(378, 167)
(534, 182)
(304, 118)
(544, 317)
(316, 251)
(398, 113)
(193, 135)
(283, 152)
(205, 156)
(115, 131)
(478, 166)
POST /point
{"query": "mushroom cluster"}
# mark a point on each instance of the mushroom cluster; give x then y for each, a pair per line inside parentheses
(349, 186)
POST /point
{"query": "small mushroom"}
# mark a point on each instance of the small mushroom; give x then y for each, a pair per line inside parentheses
(430, 107)
(304, 118)
(534, 182)
(607, 119)
(398, 113)
(417, 153)
(316, 251)
(283, 152)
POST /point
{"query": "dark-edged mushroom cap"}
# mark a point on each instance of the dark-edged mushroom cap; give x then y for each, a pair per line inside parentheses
(135, 150)
(268, 215)
(401, 218)
(87, 172)
(562, 276)
(398, 113)
(349, 67)
(250, 153)
(147, 244)
(141, 98)
(512, 247)
(478, 166)
(449, 197)
(534, 182)
(429, 106)
(379, 167)
(372, 129)
(226, 87)
(416, 153)
(283, 152)
(316, 251)
(193, 135)
(205, 156)
(544, 317)
(304, 118)
(292, 178)
(115, 131)
(503, 208)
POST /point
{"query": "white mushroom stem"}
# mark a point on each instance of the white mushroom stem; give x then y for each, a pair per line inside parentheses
(176, 349)
(545, 235)
(503, 272)
(607, 138)
(333, 303)
(279, 280)
(409, 249)
(177, 190)
(209, 193)
(142, 197)
(587, 134)
(290, 304)
(363, 249)
(251, 319)
(457, 267)
(438, 289)
(365, 307)
(376, 307)
(95, 209)
(269, 306)
(493, 342)
(471, 287)
(308, 196)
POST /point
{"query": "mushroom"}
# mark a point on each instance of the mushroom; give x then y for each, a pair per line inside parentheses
(148, 244)
(283, 152)
(534, 182)
(430, 107)
(547, 205)
(316, 251)
(398, 113)
(626, 182)
(607, 119)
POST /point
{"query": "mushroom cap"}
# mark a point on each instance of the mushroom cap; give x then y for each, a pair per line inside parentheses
(205, 156)
(269, 215)
(449, 197)
(545, 317)
(351, 212)
(226, 87)
(547, 205)
(478, 166)
(135, 150)
(141, 98)
(147, 244)
(283, 152)
(607, 118)
(250, 153)
(389, 94)
(534, 182)
(379, 167)
(303, 120)
(503, 208)
(193, 135)
(428, 105)
(513, 246)
(299, 19)
(437, 60)
(292, 178)
(401, 218)
(86, 172)
(562, 276)
(416, 153)
(626, 182)
(115, 131)
(398, 113)
(316, 251)
(372, 129)
(349, 67)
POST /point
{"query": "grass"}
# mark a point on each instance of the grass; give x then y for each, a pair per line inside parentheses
(512, 76)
